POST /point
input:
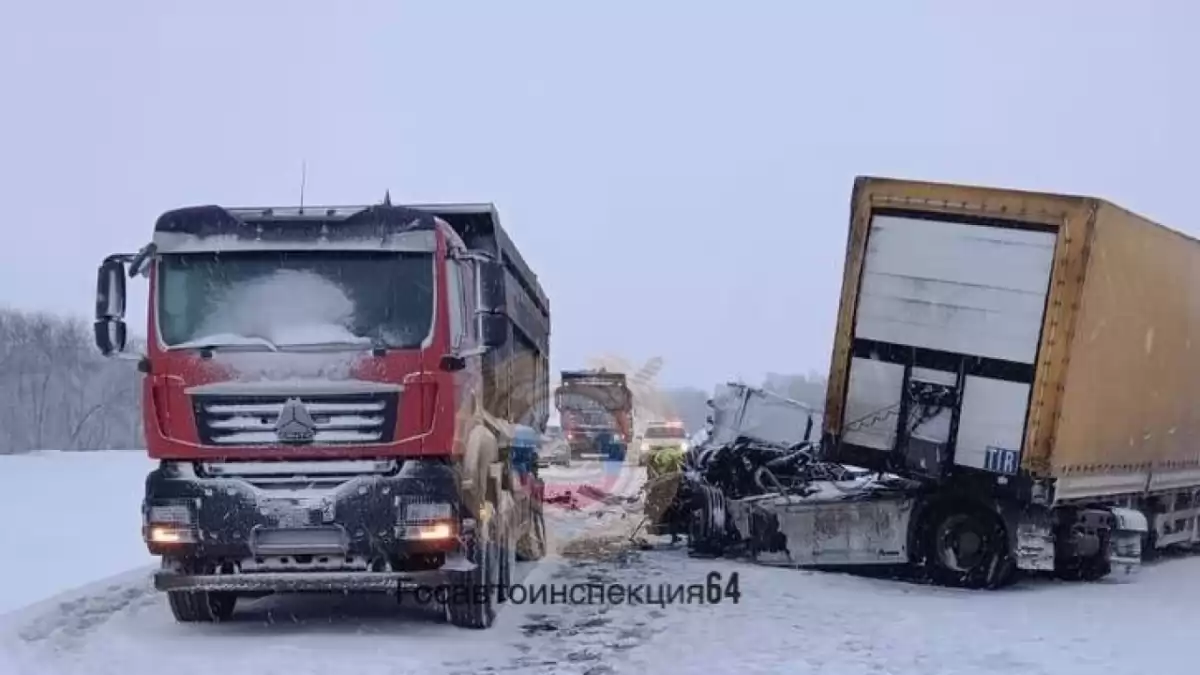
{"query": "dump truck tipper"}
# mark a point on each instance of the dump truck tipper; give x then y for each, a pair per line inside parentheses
(1018, 369)
(334, 396)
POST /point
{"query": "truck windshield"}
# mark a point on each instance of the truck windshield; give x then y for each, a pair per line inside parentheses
(295, 298)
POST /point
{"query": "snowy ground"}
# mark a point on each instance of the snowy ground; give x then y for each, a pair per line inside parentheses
(785, 622)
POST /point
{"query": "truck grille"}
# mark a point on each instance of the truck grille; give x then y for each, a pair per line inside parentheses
(340, 419)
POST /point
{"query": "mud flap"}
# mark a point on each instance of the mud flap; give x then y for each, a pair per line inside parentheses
(1034, 544)
(1125, 547)
(531, 542)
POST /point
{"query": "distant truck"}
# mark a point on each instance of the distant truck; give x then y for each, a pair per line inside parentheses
(596, 409)
(1019, 368)
(332, 395)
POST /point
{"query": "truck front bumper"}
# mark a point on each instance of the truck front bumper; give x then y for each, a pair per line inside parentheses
(255, 532)
(298, 582)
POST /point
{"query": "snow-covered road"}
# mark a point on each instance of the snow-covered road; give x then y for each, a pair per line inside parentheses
(784, 622)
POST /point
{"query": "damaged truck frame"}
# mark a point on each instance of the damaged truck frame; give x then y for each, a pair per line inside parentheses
(332, 394)
(1016, 370)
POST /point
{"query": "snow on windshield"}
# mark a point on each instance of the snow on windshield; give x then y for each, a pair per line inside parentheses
(288, 307)
(280, 299)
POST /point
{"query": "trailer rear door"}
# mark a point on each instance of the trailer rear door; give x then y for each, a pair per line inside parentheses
(946, 335)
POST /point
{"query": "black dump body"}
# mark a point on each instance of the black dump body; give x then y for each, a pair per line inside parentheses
(517, 375)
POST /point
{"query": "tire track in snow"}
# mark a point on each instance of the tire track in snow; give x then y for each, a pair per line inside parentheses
(76, 612)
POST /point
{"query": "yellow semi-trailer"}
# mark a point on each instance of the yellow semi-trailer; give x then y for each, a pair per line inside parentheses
(1021, 365)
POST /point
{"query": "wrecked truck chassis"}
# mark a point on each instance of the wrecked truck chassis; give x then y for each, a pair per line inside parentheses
(885, 526)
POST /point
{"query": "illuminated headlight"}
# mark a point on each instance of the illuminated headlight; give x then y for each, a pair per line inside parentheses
(683, 446)
(645, 447)
(170, 534)
(427, 512)
(430, 532)
(170, 514)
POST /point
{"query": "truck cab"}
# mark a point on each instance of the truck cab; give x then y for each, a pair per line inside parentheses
(332, 393)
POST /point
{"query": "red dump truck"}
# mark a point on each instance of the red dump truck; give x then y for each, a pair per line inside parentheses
(1017, 368)
(332, 394)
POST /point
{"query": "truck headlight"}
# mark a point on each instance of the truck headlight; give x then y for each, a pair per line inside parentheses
(169, 534)
(169, 523)
(169, 514)
(683, 446)
(424, 512)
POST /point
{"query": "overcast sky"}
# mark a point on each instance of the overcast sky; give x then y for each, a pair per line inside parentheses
(678, 173)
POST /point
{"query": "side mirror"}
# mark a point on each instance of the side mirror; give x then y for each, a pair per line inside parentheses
(493, 330)
(493, 292)
(109, 327)
(110, 336)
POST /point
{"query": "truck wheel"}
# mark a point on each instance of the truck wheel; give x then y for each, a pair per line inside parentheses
(471, 603)
(707, 531)
(201, 606)
(967, 548)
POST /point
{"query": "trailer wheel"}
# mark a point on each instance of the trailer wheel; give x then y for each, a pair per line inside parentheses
(201, 606)
(471, 599)
(968, 548)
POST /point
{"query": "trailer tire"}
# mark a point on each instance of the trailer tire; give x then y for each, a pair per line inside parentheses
(966, 547)
(201, 606)
(471, 600)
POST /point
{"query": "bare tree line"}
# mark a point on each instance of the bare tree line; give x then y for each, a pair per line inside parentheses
(57, 392)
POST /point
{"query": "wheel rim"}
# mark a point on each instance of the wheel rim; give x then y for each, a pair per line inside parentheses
(963, 544)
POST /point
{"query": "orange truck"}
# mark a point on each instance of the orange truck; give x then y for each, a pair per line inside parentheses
(1016, 368)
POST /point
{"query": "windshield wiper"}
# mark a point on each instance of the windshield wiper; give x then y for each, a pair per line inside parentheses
(212, 345)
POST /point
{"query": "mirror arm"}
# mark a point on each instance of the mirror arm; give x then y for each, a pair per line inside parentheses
(124, 258)
(137, 263)
(473, 351)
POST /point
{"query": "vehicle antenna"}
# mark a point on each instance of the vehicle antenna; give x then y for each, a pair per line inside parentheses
(303, 180)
